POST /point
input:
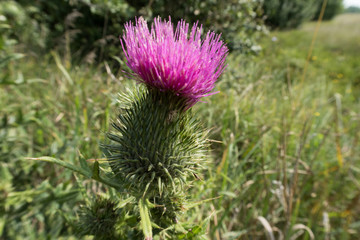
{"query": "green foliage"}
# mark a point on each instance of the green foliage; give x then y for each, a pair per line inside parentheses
(89, 30)
(333, 8)
(287, 14)
(9, 13)
(82, 30)
(38, 125)
(240, 22)
(352, 9)
(20, 27)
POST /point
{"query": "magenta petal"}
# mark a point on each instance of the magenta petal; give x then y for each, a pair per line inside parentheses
(174, 60)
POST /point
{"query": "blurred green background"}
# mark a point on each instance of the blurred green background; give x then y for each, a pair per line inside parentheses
(284, 156)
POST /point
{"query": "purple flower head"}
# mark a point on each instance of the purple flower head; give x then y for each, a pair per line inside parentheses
(175, 61)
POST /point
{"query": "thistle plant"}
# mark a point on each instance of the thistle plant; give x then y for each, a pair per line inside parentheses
(157, 146)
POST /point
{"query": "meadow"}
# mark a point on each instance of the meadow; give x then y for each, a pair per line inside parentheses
(284, 141)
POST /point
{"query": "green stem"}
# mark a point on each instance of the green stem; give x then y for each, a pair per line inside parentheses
(145, 219)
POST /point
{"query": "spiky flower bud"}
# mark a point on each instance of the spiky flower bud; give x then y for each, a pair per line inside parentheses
(98, 219)
(157, 144)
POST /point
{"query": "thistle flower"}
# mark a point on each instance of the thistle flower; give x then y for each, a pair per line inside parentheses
(156, 146)
(174, 61)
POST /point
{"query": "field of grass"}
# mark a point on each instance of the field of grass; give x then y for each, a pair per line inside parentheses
(284, 156)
